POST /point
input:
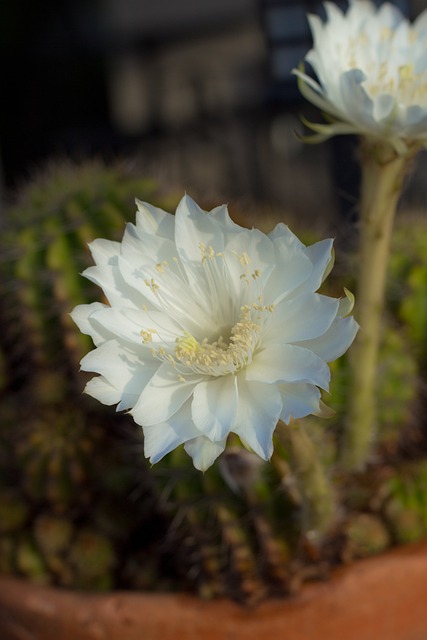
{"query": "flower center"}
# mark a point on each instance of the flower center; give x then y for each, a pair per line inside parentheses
(219, 357)
(222, 357)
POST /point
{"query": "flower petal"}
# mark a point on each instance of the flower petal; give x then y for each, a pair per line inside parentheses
(161, 439)
(154, 221)
(163, 396)
(127, 325)
(100, 389)
(288, 363)
(299, 400)
(259, 409)
(204, 452)
(127, 371)
(194, 227)
(335, 341)
(214, 406)
(303, 318)
(82, 315)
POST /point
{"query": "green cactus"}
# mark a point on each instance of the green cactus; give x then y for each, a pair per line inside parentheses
(30, 562)
(92, 559)
(407, 291)
(405, 506)
(366, 535)
(13, 512)
(235, 526)
(397, 392)
(55, 451)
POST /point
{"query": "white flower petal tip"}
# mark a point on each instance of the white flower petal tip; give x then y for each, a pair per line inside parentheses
(346, 304)
(324, 411)
(211, 329)
(371, 75)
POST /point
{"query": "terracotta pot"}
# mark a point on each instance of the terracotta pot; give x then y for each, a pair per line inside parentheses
(383, 598)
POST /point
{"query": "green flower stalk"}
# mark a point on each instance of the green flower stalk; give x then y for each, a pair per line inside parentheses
(383, 172)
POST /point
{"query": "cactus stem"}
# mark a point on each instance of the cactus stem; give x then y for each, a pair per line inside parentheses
(382, 176)
(318, 504)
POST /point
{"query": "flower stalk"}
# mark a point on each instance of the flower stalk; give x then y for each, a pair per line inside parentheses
(318, 501)
(383, 172)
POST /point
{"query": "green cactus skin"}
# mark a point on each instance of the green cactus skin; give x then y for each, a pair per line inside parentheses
(367, 535)
(405, 507)
(397, 392)
(407, 290)
(30, 562)
(92, 559)
(52, 534)
(13, 512)
(56, 452)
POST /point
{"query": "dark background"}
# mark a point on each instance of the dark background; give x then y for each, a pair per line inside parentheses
(197, 93)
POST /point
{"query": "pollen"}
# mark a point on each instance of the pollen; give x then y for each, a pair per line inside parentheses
(207, 252)
(147, 335)
(152, 284)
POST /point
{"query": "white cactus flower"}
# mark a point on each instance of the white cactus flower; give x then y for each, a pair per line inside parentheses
(371, 68)
(210, 329)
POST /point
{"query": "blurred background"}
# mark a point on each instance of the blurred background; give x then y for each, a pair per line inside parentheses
(197, 94)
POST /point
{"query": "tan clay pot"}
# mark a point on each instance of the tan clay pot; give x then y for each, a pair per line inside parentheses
(383, 598)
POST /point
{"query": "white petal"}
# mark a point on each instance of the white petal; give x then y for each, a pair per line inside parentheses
(214, 406)
(250, 251)
(103, 251)
(82, 316)
(116, 289)
(293, 266)
(358, 104)
(335, 341)
(145, 249)
(160, 439)
(299, 400)
(100, 389)
(288, 363)
(163, 396)
(320, 255)
(222, 217)
(154, 221)
(303, 318)
(260, 406)
(127, 324)
(204, 452)
(192, 227)
(126, 371)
